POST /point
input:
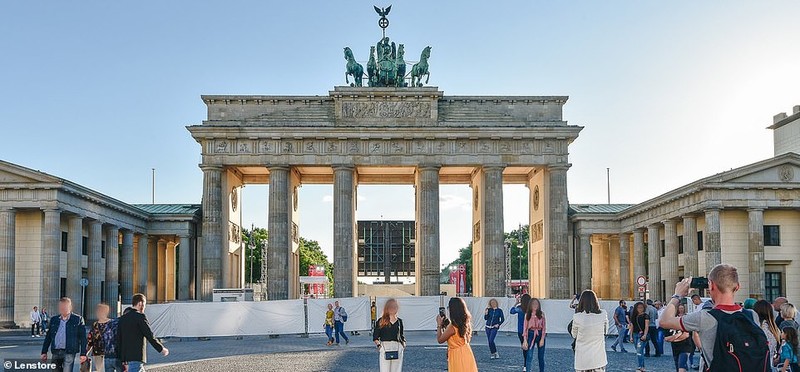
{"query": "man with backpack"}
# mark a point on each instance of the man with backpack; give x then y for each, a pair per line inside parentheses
(731, 339)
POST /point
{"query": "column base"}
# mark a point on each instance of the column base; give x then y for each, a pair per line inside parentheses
(9, 325)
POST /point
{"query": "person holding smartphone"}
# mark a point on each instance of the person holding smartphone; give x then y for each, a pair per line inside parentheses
(493, 315)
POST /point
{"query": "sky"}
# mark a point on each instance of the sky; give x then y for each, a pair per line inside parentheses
(100, 92)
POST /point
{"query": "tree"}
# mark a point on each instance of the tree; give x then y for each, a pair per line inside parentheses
(253, 247)
(311, 254)
(518, 238)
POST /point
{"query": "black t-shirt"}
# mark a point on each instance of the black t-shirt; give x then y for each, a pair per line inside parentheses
(685, 346)
(639, 325)
(391, 332)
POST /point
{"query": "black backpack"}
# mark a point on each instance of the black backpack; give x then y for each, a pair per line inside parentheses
(741, 344)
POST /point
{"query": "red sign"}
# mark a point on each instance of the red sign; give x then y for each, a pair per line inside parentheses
(316, 289)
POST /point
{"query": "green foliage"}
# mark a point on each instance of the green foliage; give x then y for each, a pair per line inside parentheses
(253, 252)
(518, 239)
(311, 254)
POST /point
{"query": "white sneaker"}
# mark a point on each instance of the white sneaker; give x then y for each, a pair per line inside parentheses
(32, 336)
(497, 355)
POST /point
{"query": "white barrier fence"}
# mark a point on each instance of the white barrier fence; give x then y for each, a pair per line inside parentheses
(219, 319)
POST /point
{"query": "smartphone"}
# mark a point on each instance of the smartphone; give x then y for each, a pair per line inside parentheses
(699, 283)
(442, 313)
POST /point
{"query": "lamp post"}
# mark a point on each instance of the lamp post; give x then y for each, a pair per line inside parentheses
(507, 244)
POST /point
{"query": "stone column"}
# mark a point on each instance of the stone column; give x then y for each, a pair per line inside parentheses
(559, 232)
(427, 239)
(639, 262)
(625, 265)
(112, 268)
(585, 262)
(126, 267)
(654, 261)
(161, 270)
(755, 252)
(74, 258)
(96, 269)
(280, 243)
(344, 237)
(185, 267)
(669, 271)
(152, 269)
(213, 228)
(690, 246)
(8, 222)
(494, 237)
(713, 244)
(51, 259)
(141, 264)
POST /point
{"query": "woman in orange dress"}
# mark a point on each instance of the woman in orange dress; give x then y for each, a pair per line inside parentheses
(457, 332)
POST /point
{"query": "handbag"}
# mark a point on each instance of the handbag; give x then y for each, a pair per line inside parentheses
(391, 354)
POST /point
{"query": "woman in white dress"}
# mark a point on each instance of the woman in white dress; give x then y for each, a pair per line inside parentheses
(589, 327)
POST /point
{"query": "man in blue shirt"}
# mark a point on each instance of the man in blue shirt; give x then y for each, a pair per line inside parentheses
(65, 337)
(621, 321)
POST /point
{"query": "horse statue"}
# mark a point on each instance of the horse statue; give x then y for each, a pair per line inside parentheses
(354, 68)
(372, 68)
(421, 68)
(400, 67)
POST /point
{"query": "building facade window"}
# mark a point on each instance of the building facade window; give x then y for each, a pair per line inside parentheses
(699, 240)
(64, 240)
(63, 290)
(103, 291)
(103, 249)
(773, 285)
(680, 244)
(663, 248)
(85, 245)
(772, 235)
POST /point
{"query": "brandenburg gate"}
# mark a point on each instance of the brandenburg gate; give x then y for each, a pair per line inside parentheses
(386, 135)
(385, 128)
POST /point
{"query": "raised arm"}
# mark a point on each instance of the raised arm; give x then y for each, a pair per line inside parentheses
(668, 320)
(442, 335)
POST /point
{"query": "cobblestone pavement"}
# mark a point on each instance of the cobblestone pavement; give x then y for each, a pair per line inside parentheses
(294, 353)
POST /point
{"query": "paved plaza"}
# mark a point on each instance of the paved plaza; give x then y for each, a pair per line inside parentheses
(294, 353)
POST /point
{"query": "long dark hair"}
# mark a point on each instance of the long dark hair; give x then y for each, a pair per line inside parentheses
(765, 314)
(791, 338)
(635, 312)
(530, 311)
(523, 302)
(588, 303)
(460, 317)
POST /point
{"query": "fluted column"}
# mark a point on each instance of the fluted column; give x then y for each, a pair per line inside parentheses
(8, 221)
(213, 228)
(96, 269)
(184, 265)
(112, 268)
(161, 270)
(639, 262)
(152, 269)
(690, 246)
(280, 243)
(713, 243)
(585, 261)
(427, 240)
(74, 256)
(670, 270)
(344, 238)
(624, 265)
(654, 261)
(142, 264)
(494, 237)
(755, 252)
(559, 232)
(126, 267)
(51, 259)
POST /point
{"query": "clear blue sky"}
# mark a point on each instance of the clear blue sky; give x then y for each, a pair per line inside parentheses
(99, 92)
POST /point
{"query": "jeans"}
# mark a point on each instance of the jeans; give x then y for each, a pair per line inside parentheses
(681, 361)
(135, 367)
(623, 334)
(112, 364)
(491, 333)
(640, 346)
(540, 355)
(652, 334)
(339, 327)
(64, 362)
(329, 332)
(524, 352)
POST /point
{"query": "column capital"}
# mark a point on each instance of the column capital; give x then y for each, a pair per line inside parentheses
(430, 167)
(343, 167)
(689, 216)
(559, 167)
(111, 226)
(654, 226)
(755, 209)
(5, 208)
(278, 167)
(625, 233)
(670, 222)
(73, 217)
(211, 167)
(184, 236)
(50, 209)
(93, 223)
(639, 230)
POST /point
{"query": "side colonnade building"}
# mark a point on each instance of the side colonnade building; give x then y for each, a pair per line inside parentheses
(748, 217)
(54, 233)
